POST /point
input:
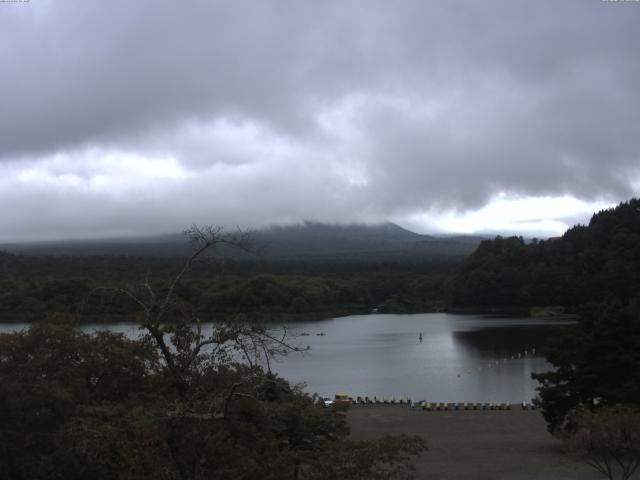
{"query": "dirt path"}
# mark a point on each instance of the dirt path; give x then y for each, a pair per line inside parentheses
(478, 445)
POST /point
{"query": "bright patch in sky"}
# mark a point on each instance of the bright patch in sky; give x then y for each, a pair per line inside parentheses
(106, 172)
(543, 216)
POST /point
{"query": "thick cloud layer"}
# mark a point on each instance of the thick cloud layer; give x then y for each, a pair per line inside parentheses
(127, 117)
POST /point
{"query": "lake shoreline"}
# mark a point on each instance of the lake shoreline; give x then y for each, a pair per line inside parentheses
(288, 317)
(251, 317)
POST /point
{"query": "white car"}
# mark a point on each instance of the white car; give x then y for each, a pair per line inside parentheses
(327, 402)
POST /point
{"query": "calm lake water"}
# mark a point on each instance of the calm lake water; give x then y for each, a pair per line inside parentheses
(460, 358)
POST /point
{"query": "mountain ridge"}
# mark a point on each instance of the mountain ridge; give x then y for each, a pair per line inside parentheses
(306, 239)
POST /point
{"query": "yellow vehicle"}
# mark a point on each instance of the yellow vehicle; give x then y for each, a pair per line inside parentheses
(341, 399)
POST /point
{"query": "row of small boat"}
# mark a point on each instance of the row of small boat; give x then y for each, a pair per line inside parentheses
(439, 406)
(380, 400)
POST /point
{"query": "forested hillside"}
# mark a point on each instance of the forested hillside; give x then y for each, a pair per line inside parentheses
(593, 263)
(32, 287)
(292, 272)
(310, 241)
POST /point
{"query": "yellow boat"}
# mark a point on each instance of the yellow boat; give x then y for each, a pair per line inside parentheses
(341, 399)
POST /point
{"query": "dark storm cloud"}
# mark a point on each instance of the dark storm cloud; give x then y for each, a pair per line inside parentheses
(78, 73)
(338, 110)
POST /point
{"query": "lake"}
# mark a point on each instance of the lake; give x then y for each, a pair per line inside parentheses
(460, 358)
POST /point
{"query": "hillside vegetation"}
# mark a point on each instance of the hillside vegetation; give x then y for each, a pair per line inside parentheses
(308, 241)
(292, 272)
(592, 263)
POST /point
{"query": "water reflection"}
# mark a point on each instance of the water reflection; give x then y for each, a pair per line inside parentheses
(504, 341)
(460, 357)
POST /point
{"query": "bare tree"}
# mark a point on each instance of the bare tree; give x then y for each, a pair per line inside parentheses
(608, 440)
(178, 333)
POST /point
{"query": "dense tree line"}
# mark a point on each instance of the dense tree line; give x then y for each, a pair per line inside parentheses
(32, 287)
(591, 398)
(597, 262)
(593, 263)
(597, 364)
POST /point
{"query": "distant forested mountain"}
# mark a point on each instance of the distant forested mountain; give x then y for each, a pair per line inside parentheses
(156, 246)
(336, 269)
(302, 270)
(597, 262)
(320, 239)
(309, 240)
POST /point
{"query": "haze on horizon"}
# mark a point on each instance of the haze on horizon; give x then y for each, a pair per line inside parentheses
(127, 118)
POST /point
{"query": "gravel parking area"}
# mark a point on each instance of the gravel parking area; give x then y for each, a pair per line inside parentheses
(471, 444)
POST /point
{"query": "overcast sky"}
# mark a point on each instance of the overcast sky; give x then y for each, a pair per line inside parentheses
(129, 117)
